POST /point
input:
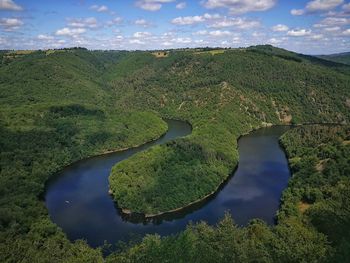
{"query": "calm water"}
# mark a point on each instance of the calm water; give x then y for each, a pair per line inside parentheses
(78, 201)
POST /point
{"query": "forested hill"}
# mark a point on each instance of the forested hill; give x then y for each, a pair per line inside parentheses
(59, 106)
(340, 57)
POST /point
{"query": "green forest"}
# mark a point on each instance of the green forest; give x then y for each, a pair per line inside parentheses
(340, 58)
(61, 106)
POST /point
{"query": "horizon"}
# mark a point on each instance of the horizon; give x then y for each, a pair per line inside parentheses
(313, 27)
(167, 50)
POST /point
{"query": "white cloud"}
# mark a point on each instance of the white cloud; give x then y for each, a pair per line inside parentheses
(71, 32)
(297, 12)
(45, 37)
(151, 5)
(10, 24)
(346, 32)
(280, 28)
(9, 5)
(182, 40)
(201, 32)
(332, 29)
(99, 8)
(167, 43)
(274, 41)
(317, 6)
(142, 22)
(317, 37)
(136, 41)
(238, 22)
(216, 21)
(214, 33)
(298, 32)
(322, 5)
(89, 22)
(188, 20)
(333, 21)
(240, 6)
(181, 5)
(115, 21)
(219, 33)
(142, 34)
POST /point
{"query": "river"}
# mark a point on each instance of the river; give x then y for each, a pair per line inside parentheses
(78, 201)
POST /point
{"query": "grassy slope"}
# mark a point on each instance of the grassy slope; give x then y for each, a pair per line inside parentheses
(223, 96)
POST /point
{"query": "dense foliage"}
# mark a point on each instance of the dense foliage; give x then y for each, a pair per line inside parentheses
(223, 96)
(340, 58)
(47, 122)
(59, 106)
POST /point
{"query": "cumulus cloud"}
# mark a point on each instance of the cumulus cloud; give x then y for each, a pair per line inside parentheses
(71, 32)
(317, 6)
(137, 41)
(317, 37)
(240, 6)
(142, 22)
(332, 29)
(152, 5)
(241, 23)
(333, 21)
(142, 34)
(216, 21)
(9, 5)
(10, 24)
(99, 8)
(115, 21)
(297, 12)
(214, 33)
(181, 5)
(45, 37)
(190, 20)
(219, 33)
(298, 32)
(346, 32)
(322, 5)
(274, 41)
(182, 40)
(187, 20)
(280, 28)
(89, 22)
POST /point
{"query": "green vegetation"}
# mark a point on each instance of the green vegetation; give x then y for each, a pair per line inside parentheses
(320, 233)
(222, 100)
(63, 106)
(212, 52)
(54, 111)
(339, 58)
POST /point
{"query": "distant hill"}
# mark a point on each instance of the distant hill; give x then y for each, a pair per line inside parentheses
(339, 57)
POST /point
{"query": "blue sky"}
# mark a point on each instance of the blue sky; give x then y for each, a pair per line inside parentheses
(311, 27)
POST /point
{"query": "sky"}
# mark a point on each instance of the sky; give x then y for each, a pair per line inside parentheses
(309, 27)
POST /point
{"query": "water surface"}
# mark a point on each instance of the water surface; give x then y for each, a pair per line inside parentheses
(78, 201)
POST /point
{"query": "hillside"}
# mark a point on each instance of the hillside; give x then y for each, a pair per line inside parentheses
(339, 58)
(59, 107)
(223, 96)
